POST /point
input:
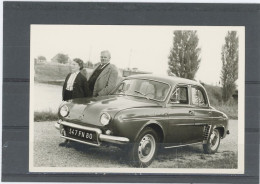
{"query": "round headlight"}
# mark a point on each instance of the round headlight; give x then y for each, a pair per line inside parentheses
(64, 111)
(105, 118)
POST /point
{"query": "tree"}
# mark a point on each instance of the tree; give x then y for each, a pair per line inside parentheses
(184, 56)
(89, 64)
(41, 58)
(60, 58)
(229, 72)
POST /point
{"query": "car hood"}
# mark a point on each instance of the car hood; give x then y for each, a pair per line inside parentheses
(88, 110)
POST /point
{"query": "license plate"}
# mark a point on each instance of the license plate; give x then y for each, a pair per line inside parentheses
(82, 135)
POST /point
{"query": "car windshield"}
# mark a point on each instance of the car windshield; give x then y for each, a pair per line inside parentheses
(143, 88)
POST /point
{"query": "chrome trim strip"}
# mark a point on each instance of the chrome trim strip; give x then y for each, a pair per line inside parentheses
(76, 140)
(168, 117)
(57, 125)
(182, 145)
(184, 124)
(201, 123)
(98, 131)
(113, 139)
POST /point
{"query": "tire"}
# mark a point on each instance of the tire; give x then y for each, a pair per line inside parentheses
(213, 143)
(145, 148)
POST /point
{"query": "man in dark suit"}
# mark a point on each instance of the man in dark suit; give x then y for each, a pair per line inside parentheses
(104, 77)
(75, 85)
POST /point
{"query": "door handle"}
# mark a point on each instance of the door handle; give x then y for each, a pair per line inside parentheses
(210, 112)
(191, 113)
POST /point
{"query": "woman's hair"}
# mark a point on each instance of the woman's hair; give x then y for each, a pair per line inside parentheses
(80, 63)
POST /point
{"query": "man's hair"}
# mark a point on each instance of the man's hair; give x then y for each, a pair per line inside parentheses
(106, 51)
(80, 63)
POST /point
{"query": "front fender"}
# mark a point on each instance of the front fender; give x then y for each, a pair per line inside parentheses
(152, 123)
(131, 122)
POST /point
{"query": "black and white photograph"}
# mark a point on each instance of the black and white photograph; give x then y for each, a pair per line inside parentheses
(137, 99)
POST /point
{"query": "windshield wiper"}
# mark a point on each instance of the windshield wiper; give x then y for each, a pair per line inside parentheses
(121, 93)
(142, 94)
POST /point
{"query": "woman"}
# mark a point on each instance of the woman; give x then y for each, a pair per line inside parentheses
(75, 85)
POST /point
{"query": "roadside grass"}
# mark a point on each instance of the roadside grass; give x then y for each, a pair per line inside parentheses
(230, 108)
(45, 116)
(230, 111)
(228, 161)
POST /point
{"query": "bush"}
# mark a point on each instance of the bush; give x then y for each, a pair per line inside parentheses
(45, 116)
(214, 94)
(230, 108)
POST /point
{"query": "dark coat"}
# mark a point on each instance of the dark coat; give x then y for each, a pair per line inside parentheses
(106, 81)
(80, 87)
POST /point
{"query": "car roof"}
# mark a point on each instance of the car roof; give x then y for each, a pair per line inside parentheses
(172, 80)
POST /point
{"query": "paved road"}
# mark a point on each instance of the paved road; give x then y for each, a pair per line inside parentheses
(48, 153)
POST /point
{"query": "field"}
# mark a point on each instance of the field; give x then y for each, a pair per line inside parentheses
(52, 73)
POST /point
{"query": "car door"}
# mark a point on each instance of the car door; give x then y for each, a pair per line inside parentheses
(181, 118)
(202, 111)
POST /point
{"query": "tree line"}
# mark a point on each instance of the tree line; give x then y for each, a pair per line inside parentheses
(62, 59)
(184, 59)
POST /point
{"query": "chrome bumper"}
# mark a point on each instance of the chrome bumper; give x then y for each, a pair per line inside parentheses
(100, 137)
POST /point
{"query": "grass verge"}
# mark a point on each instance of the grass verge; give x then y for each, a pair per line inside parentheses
(230, 111)
(227, 161)
(45, 116)
(224, 160)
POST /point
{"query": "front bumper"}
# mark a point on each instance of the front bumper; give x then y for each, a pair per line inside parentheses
(100, 137)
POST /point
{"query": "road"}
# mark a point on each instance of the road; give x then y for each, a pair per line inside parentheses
(48, 153)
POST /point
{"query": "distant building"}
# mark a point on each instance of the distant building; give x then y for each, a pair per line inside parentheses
(133, 71)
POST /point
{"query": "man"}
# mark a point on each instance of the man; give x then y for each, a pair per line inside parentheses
(104, 77)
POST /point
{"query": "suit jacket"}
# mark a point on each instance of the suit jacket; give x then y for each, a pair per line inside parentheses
(80, 87)
(106, 81)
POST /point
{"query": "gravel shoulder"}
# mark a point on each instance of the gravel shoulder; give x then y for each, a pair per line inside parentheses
(48, 153)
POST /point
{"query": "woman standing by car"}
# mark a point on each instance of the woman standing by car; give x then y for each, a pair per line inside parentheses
(75, 85)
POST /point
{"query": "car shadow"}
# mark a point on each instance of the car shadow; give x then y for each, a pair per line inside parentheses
(120, 157)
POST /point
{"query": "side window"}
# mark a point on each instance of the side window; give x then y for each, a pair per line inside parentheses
(180, 96)
(198, 97)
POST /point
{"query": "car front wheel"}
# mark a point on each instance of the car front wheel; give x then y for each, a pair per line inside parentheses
(145, 148)
(213, 143)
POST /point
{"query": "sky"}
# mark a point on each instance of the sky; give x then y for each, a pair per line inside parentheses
(144, 47)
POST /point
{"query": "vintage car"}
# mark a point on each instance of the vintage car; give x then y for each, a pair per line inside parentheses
(145, 112)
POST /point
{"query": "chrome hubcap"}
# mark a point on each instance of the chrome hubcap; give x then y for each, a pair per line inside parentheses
(214, 139)
(146, 148)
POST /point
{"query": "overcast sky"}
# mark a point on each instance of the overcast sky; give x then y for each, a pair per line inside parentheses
(144, 47)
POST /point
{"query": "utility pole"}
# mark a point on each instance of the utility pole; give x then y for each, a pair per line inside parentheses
(130, 56)
(90, 48)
